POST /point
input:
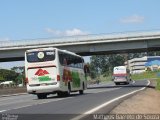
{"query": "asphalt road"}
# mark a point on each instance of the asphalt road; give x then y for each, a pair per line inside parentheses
(97, 99)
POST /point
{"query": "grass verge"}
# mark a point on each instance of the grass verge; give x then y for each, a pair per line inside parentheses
(158, 84)
(101, 78)
(145, 75)
(148, 75)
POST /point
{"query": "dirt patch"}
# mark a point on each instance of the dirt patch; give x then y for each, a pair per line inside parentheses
(7, 91)
(145, 102)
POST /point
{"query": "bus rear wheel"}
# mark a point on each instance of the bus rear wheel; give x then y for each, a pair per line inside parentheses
(41, 96)
(66, 93)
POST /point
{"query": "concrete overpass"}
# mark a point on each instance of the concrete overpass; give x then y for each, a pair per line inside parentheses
(85, 45)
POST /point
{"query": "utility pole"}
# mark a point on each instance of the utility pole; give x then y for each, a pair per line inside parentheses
(126, 59)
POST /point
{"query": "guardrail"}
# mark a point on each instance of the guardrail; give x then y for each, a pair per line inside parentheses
(73, 39)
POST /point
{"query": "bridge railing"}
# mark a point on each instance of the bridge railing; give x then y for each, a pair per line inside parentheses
(72, 39)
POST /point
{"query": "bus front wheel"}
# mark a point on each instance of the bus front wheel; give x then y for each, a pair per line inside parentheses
(69, 90)
(60, 94)
(82, 91)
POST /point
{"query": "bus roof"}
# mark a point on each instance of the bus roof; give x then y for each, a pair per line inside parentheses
(40, 49)
(72, 53)
(51, 48)
(120, 67)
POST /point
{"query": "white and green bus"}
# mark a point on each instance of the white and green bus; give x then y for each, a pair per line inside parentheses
(51, 70)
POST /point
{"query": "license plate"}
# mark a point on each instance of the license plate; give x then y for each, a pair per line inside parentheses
(44, 84)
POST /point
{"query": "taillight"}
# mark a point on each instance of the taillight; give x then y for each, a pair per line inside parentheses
(26, 80)
(58, 78)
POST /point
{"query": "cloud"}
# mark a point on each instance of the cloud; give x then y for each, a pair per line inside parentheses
(54, 32)
(133, 19)
(72, 32)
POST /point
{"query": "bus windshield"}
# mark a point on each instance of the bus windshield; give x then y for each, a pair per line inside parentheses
(40, 56)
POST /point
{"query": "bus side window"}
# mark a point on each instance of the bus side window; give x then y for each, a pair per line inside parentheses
(72, 61)
(65, 62)
(63, 59)
(60, 58)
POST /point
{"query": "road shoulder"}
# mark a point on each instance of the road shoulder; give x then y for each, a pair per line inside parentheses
(144, 102)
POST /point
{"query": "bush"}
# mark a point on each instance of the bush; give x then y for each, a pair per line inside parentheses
(93, 75)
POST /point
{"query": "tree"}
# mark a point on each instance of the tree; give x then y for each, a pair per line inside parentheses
(103, 64)
(20, 77)
(8, 75)
(94, 66)
(1, 79)
(19, 69)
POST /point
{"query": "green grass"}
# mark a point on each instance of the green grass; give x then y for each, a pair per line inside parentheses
(145, 75)
(148, 75)
(142, 76)
(106, 78)
(158, 84)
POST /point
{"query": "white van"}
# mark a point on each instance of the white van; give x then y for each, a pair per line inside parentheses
(121, 75)
(6, 83)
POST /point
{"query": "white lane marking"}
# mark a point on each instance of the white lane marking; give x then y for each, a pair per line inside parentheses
(101, 90)
(107, 103)
(88, 91)
(15, 101)
(2, 111)
(13, 97)
(34, 104)
(107, 90)
(133, 81)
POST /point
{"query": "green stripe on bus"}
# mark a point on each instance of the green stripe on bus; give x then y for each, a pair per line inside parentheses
(44, 78)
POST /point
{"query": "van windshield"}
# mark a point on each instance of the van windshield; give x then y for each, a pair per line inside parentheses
(40, 56)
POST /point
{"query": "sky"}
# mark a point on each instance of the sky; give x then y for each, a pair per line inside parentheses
(33, 19)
